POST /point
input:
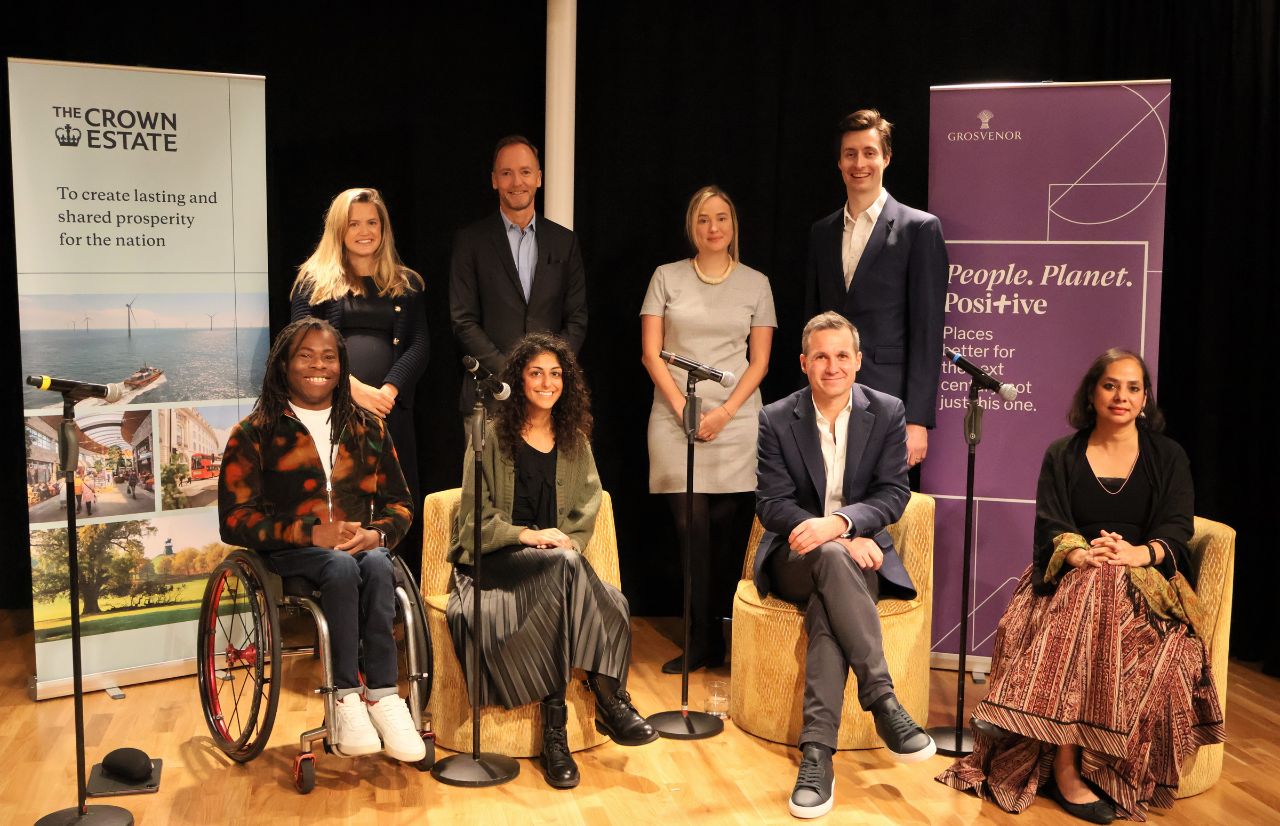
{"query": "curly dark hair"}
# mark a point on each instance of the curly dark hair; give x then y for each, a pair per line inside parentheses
(1081, 414)
(274, 399)
(570, 418)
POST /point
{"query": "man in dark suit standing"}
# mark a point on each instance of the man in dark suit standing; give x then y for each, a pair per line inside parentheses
(884, 267)
(831, 476)
(515, 272)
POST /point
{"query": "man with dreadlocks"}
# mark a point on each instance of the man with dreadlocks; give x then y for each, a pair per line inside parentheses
(312, 481)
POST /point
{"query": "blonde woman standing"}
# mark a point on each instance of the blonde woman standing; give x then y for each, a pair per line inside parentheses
(716, 310)
(356, 281)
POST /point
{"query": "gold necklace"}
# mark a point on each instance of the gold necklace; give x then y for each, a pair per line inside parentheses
(1127, 476)
(707, 279)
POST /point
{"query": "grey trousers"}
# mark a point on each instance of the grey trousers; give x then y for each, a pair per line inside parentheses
(839, 602)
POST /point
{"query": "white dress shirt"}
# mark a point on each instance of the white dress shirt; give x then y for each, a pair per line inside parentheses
(857, 232)
(835, 444)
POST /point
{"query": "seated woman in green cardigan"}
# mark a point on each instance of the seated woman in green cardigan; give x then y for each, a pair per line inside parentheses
(543, 610)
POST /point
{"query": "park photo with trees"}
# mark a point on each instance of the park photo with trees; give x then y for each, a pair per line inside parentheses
(121, 586)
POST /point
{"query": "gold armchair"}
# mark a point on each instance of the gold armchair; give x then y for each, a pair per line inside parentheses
(1213, 551)
(769, 643)
(517, 732)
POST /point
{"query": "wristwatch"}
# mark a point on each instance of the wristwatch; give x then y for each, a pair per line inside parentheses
(382, 536)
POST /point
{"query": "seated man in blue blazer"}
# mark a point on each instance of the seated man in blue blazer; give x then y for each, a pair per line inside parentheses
(832, 474)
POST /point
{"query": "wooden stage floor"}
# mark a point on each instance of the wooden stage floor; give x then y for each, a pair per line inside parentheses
(732, 779)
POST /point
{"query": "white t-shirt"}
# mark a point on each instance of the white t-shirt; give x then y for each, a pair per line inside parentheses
(317, 424)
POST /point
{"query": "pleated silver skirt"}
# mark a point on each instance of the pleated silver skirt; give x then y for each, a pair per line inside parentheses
(543, 612)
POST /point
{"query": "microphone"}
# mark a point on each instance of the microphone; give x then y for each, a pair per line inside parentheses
(983, 379)
(698, 370)
(497, 389)
(78, 389)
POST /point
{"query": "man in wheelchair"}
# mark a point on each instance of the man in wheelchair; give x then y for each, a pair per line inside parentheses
(312, 482)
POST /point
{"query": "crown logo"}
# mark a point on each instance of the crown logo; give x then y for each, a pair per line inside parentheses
(985, 116)
(67, 135)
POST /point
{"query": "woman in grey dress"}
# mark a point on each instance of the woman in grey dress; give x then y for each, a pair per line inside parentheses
(716, 310)
(543, 610)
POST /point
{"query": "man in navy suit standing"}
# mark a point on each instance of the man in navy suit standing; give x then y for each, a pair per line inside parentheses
(515, 272)
(883, 266)
(831, 476)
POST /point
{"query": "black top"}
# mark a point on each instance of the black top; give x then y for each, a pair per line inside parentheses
(1162, 469)
(1108, 504)
(368, 325)
(535, 493)
(410, 340)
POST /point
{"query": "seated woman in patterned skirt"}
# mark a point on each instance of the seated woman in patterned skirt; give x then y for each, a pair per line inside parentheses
(1100, 684)
(543, 610)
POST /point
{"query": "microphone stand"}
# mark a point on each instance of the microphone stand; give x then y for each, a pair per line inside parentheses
(957, 741)
(68, 457)
(477, 768)
(685, 724)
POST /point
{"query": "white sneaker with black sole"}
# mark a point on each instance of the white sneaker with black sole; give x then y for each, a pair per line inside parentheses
(400, 737)
(353, 733)
(814, 792)
(906, 741)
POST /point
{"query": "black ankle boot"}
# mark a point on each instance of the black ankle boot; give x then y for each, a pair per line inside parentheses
(557, 762)
(615, 716)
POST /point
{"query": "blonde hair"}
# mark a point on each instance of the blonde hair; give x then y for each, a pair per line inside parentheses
(325, 272)
(691, 217)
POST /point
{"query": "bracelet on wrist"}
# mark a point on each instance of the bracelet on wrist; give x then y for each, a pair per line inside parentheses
(1151, 549)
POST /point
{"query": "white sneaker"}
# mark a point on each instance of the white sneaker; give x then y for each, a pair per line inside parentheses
(400, 737)
(352, 732)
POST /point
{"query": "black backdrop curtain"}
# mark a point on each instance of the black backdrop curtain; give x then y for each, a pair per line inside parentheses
(672, 96)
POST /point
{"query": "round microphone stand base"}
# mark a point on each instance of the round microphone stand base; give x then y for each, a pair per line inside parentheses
(93, 816)
(952, 742)
(483, 769)
(686, 725)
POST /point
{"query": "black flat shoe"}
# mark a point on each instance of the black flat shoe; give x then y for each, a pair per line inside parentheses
(705, 659)
(1099, 811)
(991, 731)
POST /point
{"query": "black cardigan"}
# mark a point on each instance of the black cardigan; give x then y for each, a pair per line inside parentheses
(1173, 500)
(410, 340)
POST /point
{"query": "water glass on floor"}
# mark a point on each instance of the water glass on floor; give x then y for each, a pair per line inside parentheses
(717, 702)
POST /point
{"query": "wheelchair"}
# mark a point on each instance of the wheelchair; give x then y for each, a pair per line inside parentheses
(239, 657)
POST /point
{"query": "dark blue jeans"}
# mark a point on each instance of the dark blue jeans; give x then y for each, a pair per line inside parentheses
(357, 593)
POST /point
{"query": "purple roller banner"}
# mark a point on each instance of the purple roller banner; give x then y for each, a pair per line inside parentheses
(1051, 197)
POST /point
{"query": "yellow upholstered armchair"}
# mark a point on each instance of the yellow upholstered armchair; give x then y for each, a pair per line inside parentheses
(769, 644)
(518, 732)
(1213, 552)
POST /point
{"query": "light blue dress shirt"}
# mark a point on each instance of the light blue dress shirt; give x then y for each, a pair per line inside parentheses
(524, 249)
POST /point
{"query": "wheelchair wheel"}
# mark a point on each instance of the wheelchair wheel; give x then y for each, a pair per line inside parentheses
(237, 652)
(304, 772)
(404, 579)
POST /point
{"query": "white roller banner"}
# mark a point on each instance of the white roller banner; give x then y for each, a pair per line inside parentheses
(140, 221)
